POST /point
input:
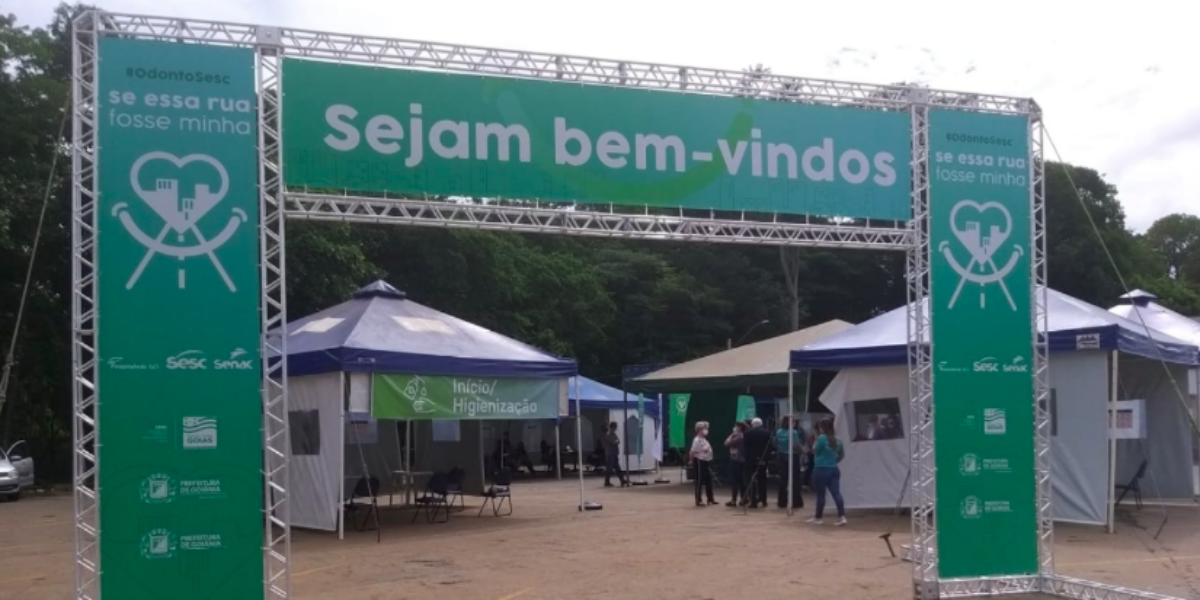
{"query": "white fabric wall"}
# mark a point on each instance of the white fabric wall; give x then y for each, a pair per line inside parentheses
(1079, 451)
(629, 456)
(1168, 445)
(873, 472)
(313, 479)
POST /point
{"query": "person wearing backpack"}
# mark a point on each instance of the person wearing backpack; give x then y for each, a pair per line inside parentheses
(828, 451)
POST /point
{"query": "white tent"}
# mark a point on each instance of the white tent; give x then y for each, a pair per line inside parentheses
(335, 437)
(1091, 348)
(1141, 307)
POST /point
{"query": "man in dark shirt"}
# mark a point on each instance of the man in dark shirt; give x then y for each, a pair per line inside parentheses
(612, 457)
(757, 441)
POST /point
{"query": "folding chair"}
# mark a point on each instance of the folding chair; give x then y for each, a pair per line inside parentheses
(454, 487)
(435, 499)
(366, 487)
(1135, 486)
(500, 489)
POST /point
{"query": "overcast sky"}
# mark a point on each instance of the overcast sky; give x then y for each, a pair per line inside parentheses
(1119, 85)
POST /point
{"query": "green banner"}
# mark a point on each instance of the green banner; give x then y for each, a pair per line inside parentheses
(178, 284)
(746, 408)
(374, 129)
(983, 387)
(426, 397)
(678, 422)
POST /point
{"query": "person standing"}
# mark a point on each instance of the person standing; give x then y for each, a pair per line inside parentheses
(736, 442)
(758, 443)
(828, 451)
(794, 445)
(612, 457)
(702, 454)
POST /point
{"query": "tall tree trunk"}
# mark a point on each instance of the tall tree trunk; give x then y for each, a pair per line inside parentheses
(789, 258)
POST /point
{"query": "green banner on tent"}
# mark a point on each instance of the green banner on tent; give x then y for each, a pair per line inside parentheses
(745, 408)
(404, 131)
(180, 451)
(427, 397)
(678, 422)
(983, 388)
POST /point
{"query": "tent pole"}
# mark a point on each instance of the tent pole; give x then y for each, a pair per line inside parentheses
(1195, 378)
(791, 474)
(558, 448)
(342, 463)
(579, 441)
(1112, 443)
(624, 426)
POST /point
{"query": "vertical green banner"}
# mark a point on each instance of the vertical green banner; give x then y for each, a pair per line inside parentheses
(179, 407)
(746, 408)
(983, 387)
(678, 422)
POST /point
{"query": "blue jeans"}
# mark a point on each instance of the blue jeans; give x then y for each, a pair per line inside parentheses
(828, 478)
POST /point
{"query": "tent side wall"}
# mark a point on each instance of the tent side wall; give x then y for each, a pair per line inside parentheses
(1169, 440)
(315, 426)
(873, 472)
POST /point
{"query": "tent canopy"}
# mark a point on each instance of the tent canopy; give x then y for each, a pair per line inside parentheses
(762, 364)
(1140, 307)
(1074, 325)
(596, 396)
(380, 330)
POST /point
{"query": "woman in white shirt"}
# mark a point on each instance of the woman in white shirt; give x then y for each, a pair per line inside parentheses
(702, 454)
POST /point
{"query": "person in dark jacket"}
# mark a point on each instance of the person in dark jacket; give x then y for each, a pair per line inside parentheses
(757, 442)
(612, 457)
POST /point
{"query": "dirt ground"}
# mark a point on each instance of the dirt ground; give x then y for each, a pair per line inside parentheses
(647, 542)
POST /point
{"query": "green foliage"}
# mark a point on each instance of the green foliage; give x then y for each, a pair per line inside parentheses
(1176, 239)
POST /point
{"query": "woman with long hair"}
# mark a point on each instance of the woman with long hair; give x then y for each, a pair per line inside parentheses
(828, 451)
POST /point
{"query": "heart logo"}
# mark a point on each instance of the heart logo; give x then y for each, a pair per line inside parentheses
(981, 269)
(981, 246)
(179, 209)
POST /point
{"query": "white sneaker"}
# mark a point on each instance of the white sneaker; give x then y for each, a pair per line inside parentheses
(814, 521)
(841, 521)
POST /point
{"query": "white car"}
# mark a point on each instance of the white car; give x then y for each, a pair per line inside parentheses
(16, 471)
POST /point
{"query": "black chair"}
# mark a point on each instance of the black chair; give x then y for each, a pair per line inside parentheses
(366, 487)
(1135, 486)
(454, 489)
(497, 493)
(435, 499)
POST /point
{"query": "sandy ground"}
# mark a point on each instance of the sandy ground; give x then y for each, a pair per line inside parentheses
(648, 542)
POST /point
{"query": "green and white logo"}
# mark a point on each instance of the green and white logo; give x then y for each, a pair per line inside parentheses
(199, 432)
(968, 464)
(970, 508)
(981, 269)
(418, 394)
(180, 211)
(158, 488)
(995, 421)
(158, 544)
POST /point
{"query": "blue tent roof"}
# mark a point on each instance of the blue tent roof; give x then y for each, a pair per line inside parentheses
(379, 330)
(1074, 325)
(597, 396)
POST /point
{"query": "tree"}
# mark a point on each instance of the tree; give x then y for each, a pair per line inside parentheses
(1079, 247)
(1176, 238)
(34, 86)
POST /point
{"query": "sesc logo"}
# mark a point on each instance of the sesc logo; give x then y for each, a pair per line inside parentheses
(188, 360)
(987, 365)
